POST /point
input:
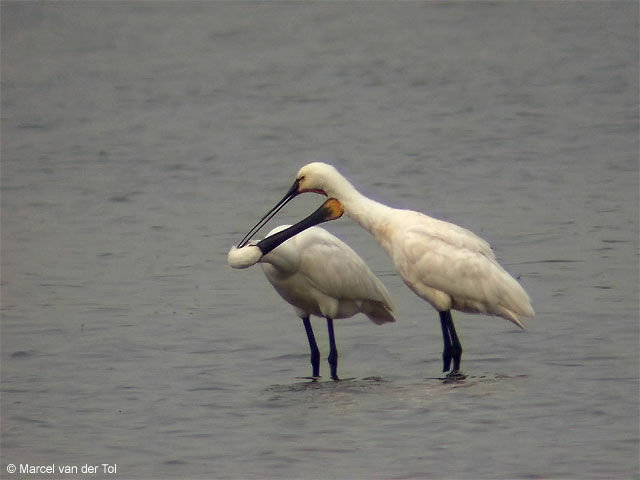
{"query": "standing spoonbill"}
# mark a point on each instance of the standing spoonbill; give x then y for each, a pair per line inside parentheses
(318, 274)
(444, 264)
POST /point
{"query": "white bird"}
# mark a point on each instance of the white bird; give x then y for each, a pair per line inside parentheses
(445, 264)
(320, 275)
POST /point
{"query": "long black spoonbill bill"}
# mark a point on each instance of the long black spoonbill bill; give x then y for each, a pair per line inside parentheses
(445, 264)
(318, 274)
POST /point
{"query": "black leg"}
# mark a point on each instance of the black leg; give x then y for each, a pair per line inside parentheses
(452, 346)
(446, 352)
(333, 351)
(315, 353)
(456, 346)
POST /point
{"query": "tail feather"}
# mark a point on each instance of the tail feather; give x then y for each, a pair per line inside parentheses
(514, 304)
(378, 312)
(517, 311)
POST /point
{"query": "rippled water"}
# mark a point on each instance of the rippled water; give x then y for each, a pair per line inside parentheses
(140, 140)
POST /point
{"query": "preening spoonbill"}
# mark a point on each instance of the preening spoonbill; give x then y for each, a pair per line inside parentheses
(244, 255)
(318, 274)
(445, 264)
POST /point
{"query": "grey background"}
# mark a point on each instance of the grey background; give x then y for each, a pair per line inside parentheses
(140, 140)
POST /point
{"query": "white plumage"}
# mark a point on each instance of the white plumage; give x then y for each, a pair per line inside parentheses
(452, 268)
(243, 257)
(320, 275)
(445, 264)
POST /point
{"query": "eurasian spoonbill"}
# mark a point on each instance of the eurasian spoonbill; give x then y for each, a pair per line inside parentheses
(445, 264)
(320, 275)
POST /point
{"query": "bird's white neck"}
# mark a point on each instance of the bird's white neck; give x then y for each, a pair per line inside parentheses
(368, 213)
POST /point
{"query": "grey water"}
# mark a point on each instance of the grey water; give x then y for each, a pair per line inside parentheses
(140, 140)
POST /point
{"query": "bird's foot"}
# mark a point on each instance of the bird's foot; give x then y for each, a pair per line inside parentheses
(446, 362)
(454, 376)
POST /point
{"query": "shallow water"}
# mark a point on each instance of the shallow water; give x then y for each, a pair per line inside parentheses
(141, 140)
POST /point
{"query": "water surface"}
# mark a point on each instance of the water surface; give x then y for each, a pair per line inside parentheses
(140, 140)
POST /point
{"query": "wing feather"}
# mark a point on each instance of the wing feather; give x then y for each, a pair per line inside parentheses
(453, 268)
(337, 271)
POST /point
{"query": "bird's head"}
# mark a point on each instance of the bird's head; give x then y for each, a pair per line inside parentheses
(314, 177)
(331, 209)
